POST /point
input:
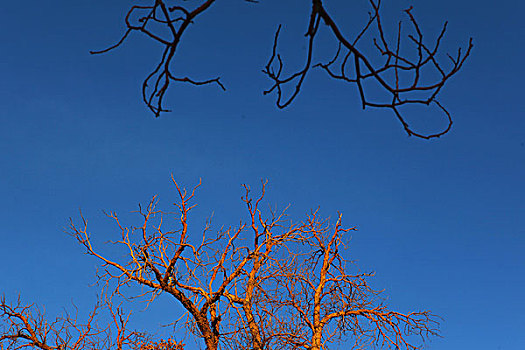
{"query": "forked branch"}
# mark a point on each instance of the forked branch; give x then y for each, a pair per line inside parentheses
(405, 79)
(176, 19)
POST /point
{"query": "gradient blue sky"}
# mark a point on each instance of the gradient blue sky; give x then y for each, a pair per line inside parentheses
(441, 222)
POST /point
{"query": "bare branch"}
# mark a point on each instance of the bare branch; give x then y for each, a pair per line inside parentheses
(396, 67)
(414, 77)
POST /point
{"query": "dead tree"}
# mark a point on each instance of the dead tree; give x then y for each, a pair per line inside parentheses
(411, 71)
(267, 283)
(27, 326)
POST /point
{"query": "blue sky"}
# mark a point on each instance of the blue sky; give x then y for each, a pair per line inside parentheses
(441, 222)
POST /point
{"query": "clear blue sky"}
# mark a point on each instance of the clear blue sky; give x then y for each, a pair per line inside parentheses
(441, 222)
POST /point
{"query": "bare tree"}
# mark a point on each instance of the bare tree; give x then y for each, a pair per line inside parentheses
(266, 283)
(27, 326)
(406, 77)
